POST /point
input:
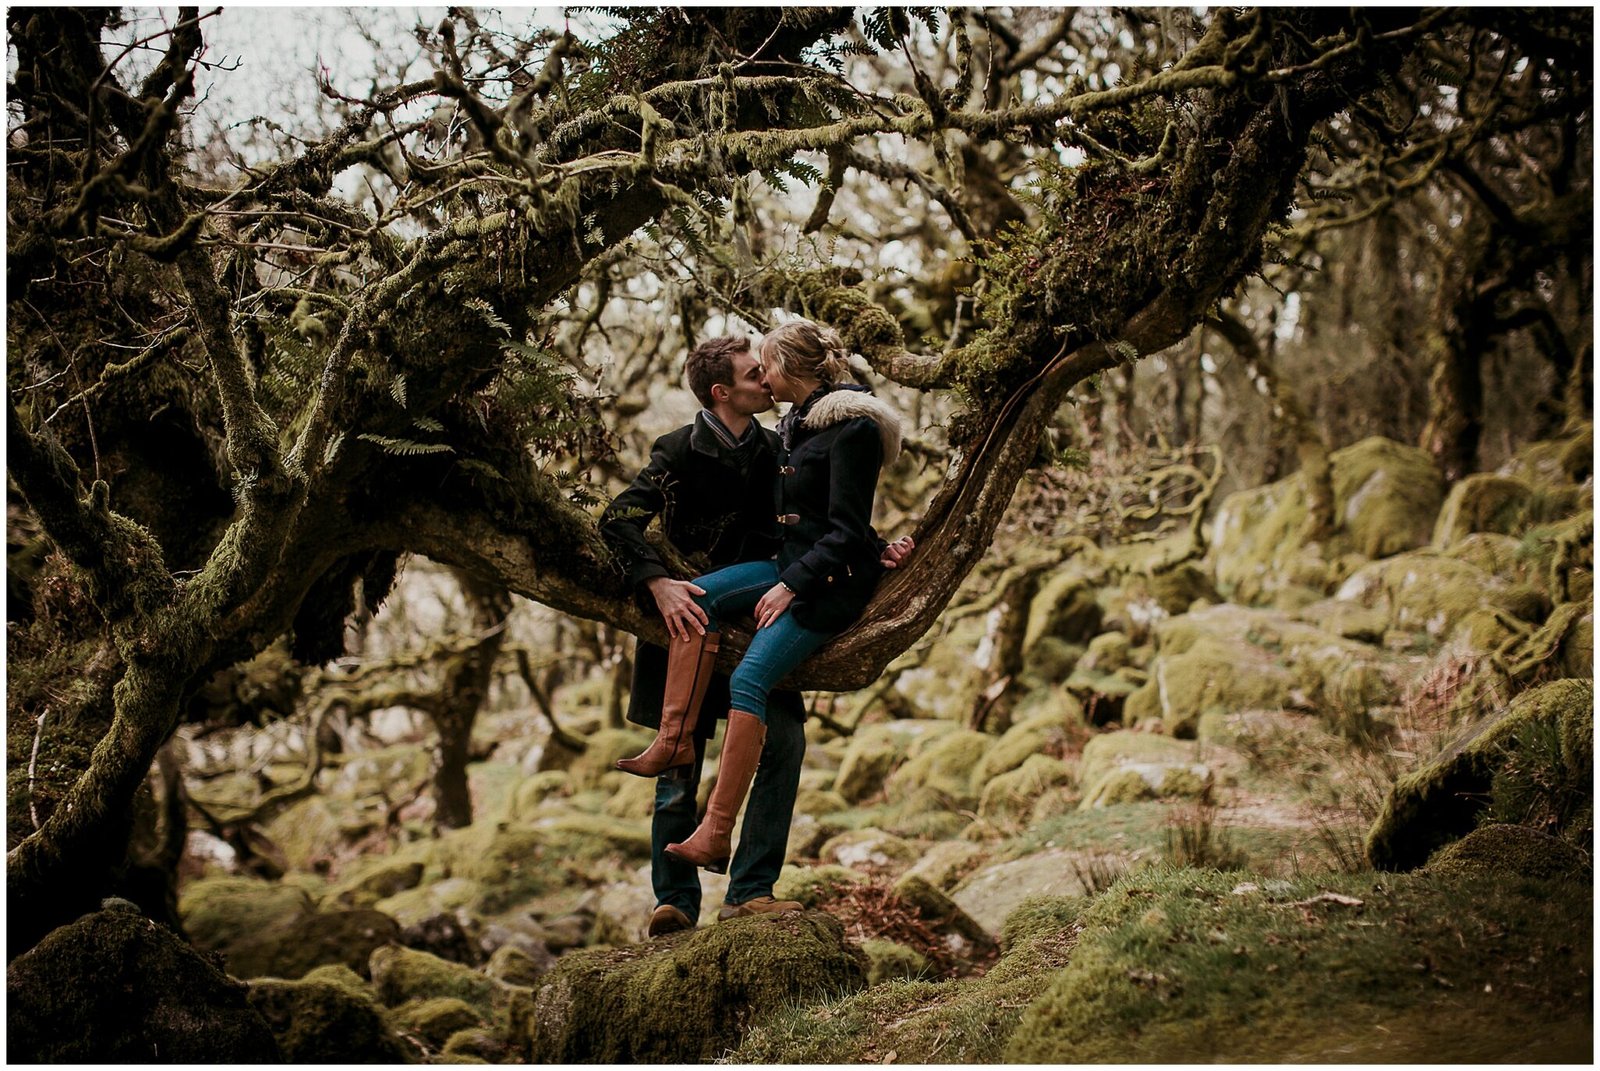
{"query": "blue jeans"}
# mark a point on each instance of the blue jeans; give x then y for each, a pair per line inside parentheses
(764, 838)
(775, 650)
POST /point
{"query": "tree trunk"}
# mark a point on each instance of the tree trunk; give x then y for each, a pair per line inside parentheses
(1007, 630)
(465, 689)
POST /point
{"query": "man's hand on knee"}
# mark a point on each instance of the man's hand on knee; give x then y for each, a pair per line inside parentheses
(675, 600)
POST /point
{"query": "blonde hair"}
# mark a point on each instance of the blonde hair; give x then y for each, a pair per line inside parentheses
(801, 349)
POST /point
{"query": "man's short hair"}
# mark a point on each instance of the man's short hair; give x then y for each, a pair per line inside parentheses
(711, 363)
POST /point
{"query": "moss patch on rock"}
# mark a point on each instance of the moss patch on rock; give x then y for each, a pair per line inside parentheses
(1179, 967)
(1011, 796)
(812, 884)
(436, 1018)
(290, 949)
(631, 1005)
(890, 960)
(944, 765)
(402, 974)
(875, 751)
(1512, 852)
(322, 1022)
(218, 911)
(1547, 734)
(115, 987)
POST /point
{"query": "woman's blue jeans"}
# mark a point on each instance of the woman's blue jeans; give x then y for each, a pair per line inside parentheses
(775, 651)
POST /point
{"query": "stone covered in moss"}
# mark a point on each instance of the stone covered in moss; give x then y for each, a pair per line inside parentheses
(1511, 851)
(669, 1002)
(1386, 496)
(218, 911)
(290, 949)
(1012, 795)
(1484, 502)
(947, 862)
(474, 1045)
(1425, 591)
(517, 966)
(810, 884)
(868, 849)
(414, 906)
(436, 1018)
(1124, 767)
(635, 798)
(944, 765)
(990, 893)
(888, 960)
(1551, 726)
(876, 750)
(600, 754)
(1215, 675)
(377, 880)
(817, 802)
(115, 987)
(402, 974)
(1181, 966)
(1065, 609)
(964, 934)
(586, 838)
(322, 1022)
(535, 789)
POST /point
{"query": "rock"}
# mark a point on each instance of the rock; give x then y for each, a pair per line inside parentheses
(538, 787)
(436, 1018)
(991, 893)
(1011, 795)
(1107, 651)
(449, 935)
(669, 1002)
(1046, 732)
(1512, 852)
(1050, 659)
(889, 960)
(944, 765)
(475, 1044)
(1432, 592)
(376, 882)
(588, 838)
(514, 966)
(963, 935)
(634, 799)
(1124, 767)
(602, 750)
(115, 987)
(322, 1022)
(1484, 502)
(290, 949)
(1386, 496)
(818, 802)
(1549, 730)
(402, 974)
(1214, 675)
(414, 906)
(868, 849)
(623, 911)
(1567, 458)
(810, 884)
(875, 750)
(219, 911)
(1065, 609)
(947, 862)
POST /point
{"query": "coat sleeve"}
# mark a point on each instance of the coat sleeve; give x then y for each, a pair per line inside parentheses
(850, 542)
(623, 523)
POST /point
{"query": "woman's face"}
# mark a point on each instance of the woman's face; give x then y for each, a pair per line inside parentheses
(782, 387)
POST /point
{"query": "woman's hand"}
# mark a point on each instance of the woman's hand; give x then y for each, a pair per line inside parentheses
(896, 552)
(773, 604)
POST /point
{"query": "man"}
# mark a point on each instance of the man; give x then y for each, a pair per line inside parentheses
(711, 483)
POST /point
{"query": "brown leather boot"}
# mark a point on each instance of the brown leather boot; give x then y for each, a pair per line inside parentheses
(711, 843)
(761, 905)
(667, 919)
(689, 667)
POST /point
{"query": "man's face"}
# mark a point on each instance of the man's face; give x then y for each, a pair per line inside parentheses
(748, 394)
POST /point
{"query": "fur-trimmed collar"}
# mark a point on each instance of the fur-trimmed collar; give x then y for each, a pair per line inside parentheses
(845, 404)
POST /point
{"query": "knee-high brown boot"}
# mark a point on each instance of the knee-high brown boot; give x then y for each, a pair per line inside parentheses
(711, 844)
(689, 667)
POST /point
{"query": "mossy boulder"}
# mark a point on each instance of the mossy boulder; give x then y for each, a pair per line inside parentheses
(889, 960)
(1125, 767)
(414, 906)
(1426, 591)
(377, 880)
(323, 1022)
(516, 966)
(534, 789)
(944, 765)
(1218, 675)
(634, 799)
(589, 837)
(1190, 966)
(1011, 796)
(115, 987)
(992, 892)
(290, 949)
(435, 1018)
(964, 935)
(474, 1045)
(1049, 731)
(219, 911)
(817, 802)
(600, 754)
(1385, 498)
(402, 974)
(868, 849)
(1541, 752)
(1566, 458)
(876, 750)
(631, 1005)
(947, 862)
(812, 884)
(1512, 851)
(1064, 609)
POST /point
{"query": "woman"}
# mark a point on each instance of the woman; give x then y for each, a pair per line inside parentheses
(835, 440)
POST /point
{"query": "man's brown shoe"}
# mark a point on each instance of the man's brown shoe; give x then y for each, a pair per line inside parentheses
(667, 919)
(761, 905)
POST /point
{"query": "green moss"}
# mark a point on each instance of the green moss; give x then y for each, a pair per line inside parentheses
(586, 838)
(604, 749)
(373, 880)
(812, 884)
(219, 911)
(319, 1022)
(1548, 728)
(474, 1045)
(945, 765)
(436, 1018)
(1429, 592)
(634, 799)
(436, 897)
(890, 960)
(337, 974)
(290, 949)
(868, 849)
(1107, 751)
(1040, 915)
(757, 965)
(1175, 967)
(115, 987)
(513, 966)
(1107, 651)
(535, 789)
(947, 862)
(1050, 659)
(818, 802)
(1012, 795)
(403, 974)
(1511, 851)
